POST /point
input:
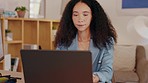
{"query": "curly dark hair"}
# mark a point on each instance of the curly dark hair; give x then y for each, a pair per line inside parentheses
(101, 29)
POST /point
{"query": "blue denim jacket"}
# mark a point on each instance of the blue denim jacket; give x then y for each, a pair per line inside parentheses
(102, 60)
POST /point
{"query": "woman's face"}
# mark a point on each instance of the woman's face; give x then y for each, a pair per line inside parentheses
(81, 16)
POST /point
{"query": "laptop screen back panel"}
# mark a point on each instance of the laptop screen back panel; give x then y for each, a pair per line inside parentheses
(42, 66)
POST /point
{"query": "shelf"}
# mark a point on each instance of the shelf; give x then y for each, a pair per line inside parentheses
(13, 42)
(45, 35)
(30, 32)
(27, 31)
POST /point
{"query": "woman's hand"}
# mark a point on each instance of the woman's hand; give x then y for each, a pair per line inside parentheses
(95, 78)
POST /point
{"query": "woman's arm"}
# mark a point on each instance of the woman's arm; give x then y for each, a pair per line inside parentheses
(105, 71)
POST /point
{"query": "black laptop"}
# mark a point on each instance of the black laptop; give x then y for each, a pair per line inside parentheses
(51, 66)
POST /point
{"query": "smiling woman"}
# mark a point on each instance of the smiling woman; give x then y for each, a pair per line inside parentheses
(85, 26)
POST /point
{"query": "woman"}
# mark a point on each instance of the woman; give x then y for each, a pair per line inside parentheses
(85, 26)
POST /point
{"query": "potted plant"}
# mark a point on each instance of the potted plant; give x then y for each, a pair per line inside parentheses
(9, 35)
(21, 10)
(7, 31)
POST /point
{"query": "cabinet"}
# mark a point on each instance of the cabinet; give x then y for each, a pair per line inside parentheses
(27, 31)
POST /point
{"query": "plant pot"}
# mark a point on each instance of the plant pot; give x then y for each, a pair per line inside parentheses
(9, 36)
(21, 14)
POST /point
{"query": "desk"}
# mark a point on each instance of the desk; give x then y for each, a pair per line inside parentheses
(14, 74)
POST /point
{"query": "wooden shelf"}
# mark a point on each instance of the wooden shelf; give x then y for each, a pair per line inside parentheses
(28, 31)
(13, 42)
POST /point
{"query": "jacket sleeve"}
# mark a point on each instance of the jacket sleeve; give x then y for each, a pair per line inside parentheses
(105, 71)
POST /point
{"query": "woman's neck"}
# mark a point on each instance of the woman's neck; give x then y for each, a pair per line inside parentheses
(83, 40)
(83, 36)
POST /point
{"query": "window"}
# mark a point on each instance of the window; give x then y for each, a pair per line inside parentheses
(37, 8)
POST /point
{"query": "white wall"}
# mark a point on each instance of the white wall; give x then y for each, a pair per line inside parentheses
(53, 8)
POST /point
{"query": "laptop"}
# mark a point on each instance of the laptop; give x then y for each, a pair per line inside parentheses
(52, 66)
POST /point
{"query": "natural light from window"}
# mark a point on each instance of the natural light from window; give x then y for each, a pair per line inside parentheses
(35, 7)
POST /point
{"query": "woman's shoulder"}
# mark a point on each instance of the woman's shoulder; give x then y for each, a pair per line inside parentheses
(61, 48)
(110, 44)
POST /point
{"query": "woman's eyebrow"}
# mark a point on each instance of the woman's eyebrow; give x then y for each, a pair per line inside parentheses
(75, 11)
(83, 12)
(86, 12)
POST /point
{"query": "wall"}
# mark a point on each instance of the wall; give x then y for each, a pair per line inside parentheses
(10, 5)
(53, 8)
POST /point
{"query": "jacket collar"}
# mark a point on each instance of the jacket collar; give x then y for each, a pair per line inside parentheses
(92, 49)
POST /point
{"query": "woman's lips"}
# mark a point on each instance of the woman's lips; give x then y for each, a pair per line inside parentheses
(81, 25)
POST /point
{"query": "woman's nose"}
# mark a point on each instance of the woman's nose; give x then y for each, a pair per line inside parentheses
(80, 18)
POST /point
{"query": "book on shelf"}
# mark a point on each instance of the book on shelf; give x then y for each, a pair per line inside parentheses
(14, 63)
(7, 62)
(31, 46)
(10, 63)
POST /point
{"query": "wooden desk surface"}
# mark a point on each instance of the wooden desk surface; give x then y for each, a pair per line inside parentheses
(14, 74)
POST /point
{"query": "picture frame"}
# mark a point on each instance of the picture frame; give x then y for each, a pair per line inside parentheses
(125, 8)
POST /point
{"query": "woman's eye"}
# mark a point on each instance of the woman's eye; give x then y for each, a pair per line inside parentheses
(85, 14)
(75, 14)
